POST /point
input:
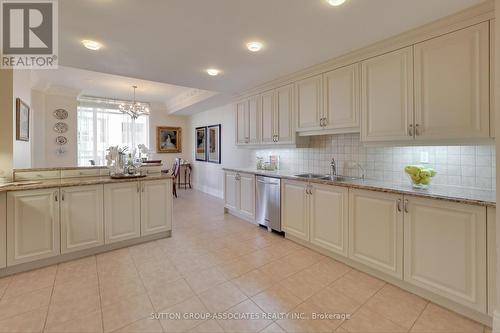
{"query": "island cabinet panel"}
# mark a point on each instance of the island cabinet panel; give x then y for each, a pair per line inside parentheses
(82, 218)
(156, 206)
(122, 211)
(376, 230)
(445, 249)
(32, 225)
(3, 230)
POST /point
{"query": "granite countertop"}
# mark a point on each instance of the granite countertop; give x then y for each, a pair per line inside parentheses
(440, 192)
(65, 182)
(90, 167)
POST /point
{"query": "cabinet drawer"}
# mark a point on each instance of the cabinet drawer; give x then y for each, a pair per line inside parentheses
(32, 175)
(80, 173)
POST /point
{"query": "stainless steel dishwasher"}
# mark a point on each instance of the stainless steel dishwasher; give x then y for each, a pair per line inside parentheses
(268, 202)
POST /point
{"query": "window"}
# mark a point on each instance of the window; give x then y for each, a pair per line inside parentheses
(101, 125)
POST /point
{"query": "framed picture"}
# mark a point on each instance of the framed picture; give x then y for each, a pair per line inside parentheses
(22, 121)
(201, 144)
(214, 144)
(168, 139)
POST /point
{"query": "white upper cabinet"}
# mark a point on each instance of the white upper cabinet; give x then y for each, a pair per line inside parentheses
(341, 89)
(309, 103)
(283, 118)
(122, 211)
(156, 206)
(492, 78)
(452, 85)
(267, 117)
(295, 209)
(3, 229)
(32, 225)
(445, 250)
(253, 120)
(247, 121)
(387, 97)
(82, 218)
(242, 133)
(376, 230)
(329, 217)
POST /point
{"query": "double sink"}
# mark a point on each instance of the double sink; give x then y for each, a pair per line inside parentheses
(338, 178)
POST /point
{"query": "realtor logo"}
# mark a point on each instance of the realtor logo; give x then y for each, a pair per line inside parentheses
(28, 34)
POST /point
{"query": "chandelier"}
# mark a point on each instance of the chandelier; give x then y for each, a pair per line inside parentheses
(134, 109)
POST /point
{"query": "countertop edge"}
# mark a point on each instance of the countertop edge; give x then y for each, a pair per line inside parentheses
(409, 192)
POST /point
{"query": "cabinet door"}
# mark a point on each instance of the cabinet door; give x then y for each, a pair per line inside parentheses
(253, 120)
(491, 254)
(452, 88)
(387, 97)
(247, 194)
(156, 206)
(32, 225)
(3, 230)
(445, 250)
(231, 190)
(341, 95)
(82, 218)
(376, 230)
(294, 212)
(122, 205)
(284, 114)
(329, 217)
(309, 103)
(492, 78)
(267, 116)
(242, 128)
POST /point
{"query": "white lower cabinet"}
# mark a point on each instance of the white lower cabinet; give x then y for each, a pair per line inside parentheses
(295, 211)
(3, 230)
(491, 214)
(156, 206)
(239, 193)
(32, 225)
(329, 217)
(122, 211)
(445, 250)
(376, 230)
(82, 218)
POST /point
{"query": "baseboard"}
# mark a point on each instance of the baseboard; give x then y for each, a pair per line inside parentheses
(496, 322)
(209, 190)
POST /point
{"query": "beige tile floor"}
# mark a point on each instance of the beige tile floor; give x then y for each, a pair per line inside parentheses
(213, 263)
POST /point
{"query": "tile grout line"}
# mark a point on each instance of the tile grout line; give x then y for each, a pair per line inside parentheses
(50, 299)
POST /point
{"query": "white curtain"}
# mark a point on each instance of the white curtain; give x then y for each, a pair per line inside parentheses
(101, 125)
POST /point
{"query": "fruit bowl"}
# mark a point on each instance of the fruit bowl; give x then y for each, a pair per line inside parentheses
(420, 175)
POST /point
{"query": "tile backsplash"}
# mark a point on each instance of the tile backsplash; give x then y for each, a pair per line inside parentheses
(464, 166)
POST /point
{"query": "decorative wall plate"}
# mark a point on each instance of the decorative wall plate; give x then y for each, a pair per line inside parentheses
(61, 114)
(61, 140)
(60, 127)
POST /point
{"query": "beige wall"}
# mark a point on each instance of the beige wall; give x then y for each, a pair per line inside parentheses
(209, 177)
(6, 124)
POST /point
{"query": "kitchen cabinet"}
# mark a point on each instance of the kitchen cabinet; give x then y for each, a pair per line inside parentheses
(445, 249)
(309, 103)
(283, 115)
(492, 78)
(295, 210)
(387, 97)
(376, 230)
(122, 217)
(491, 254)
(329, 210)
(156, 206)
(247, 120)
(341, 93)
(239, 194)
(452, 85)
(82, 218)
(267, 117)
(32, 225)
(3, 230)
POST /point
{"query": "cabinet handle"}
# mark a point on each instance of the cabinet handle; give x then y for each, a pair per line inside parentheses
(143, 187)
(138, 188)
(406, 206)
(410, 130)
(55, 197)
(62, 195)
(399, 205)
(417, 129)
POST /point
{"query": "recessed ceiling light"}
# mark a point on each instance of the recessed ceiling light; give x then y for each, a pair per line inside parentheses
(254, 46)
(91, 44)
(213, 71)
(335, 2)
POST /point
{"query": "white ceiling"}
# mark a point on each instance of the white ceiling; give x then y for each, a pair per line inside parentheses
(174, 41)
(83, 82)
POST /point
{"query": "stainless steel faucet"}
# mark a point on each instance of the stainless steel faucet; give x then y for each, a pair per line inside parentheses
(333, 167)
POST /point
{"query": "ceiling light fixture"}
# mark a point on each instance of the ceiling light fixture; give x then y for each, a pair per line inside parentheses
(91, 44)
(134, 109)
(335, 2)
(213, 71)
(254, 46)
